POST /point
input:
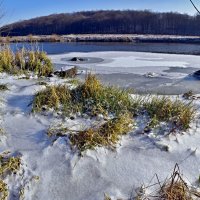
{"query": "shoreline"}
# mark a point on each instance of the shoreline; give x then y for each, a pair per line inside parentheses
(127, 38)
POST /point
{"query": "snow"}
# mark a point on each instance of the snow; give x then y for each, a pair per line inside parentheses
(117, 61)
(62, 173)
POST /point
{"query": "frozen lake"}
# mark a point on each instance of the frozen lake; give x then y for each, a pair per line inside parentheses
(144, 72)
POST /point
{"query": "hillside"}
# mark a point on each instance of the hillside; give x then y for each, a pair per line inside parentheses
(107, 22)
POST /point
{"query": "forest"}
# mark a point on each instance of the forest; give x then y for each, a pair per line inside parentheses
(107, 22)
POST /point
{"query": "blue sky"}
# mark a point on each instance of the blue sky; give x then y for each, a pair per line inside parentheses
(16, 10)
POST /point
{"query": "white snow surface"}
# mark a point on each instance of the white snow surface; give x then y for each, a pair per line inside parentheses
(133, 62)
(66, 176)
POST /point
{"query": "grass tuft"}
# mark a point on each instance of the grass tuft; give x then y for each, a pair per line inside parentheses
(9, 164)
(91, 97)
(3, 190)
(51, 97)
(107, 135)
(175, 188)
(163, 109)
(24, 61)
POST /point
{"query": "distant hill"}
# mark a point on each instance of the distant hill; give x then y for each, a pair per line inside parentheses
(107, 22)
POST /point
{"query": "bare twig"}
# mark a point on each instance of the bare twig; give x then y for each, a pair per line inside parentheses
(195, 6)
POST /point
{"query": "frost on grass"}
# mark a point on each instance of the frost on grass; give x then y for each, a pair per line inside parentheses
(25, 61)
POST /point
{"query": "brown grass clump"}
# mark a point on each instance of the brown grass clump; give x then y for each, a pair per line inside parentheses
(175, 188)
(106, 135)
(8, 165)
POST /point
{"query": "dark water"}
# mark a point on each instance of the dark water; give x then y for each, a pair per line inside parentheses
(59, 48)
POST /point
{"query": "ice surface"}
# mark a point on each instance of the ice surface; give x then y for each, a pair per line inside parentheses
(129, 69)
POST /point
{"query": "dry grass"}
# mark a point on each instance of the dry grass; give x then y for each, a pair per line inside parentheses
(163, 109)
(3, 190)
(9, 164)
(51, 97)
(7, 59)
(24, 61)
(91, 97)
(107, 135)
(173, 188)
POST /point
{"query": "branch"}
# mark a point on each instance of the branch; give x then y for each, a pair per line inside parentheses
(195, 6)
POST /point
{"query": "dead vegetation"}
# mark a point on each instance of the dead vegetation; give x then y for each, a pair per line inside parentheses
(24, 61)
(106, 135)
(3, 190)
(173, 188)
(176, 112)
(91, 97)
(8, 165)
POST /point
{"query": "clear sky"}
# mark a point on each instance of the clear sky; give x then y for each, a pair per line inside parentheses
(16, 10)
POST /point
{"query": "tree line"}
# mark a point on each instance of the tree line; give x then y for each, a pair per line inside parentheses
(107, 22)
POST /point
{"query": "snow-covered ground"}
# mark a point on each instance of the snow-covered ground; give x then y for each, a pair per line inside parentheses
(63, 175)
